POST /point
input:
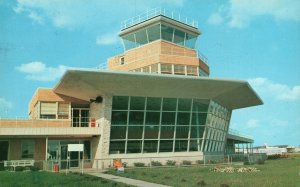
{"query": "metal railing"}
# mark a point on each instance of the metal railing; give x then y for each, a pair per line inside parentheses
(157, 12)
(144, 162)
(238, 133)
(202, 57)
(19, 122)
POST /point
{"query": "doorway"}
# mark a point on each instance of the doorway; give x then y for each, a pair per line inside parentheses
(74, 158)
(80, 117)
(3, 150)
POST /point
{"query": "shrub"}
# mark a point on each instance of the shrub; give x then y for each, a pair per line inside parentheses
(19, 168)
(139, 164)
(201, 183)
(156, 163)
(273, 157)
(200, 162)
(34, 168)
(186, 162)
(170, 162)
(260, 161)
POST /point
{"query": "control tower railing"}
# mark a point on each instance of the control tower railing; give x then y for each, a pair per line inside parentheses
(156, 12)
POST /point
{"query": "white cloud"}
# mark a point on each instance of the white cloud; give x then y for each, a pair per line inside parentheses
(215, 18)
(37, 18)
(278, 91)
(40, 72)
(252, 123)
(239, 13)
(32, 67)
(107, 39)
(78, 13)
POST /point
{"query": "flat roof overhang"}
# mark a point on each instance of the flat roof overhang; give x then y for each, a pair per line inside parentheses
(239, 139)
(87, 84)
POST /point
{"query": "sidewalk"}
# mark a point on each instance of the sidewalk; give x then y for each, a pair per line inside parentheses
(125, 180)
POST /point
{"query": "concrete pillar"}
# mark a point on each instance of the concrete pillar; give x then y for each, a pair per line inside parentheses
(100, 145)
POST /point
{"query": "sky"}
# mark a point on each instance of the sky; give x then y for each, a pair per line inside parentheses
(257, 41)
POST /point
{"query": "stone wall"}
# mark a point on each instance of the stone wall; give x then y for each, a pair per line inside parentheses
(100, 145)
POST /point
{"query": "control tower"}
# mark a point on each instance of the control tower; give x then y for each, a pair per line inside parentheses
(156, 42)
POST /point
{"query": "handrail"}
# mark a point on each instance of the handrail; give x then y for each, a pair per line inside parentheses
(157, 12)
(202, 57)
(19, 122)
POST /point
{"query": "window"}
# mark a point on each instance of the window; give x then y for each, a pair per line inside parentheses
(117, 147)
(48, 109)
(129, 41)
(190, 40)
(153, 33)
(155, 124)
(121, 60)
(119, 118)
(179, 69)
(191, 70)
(167, 33)
(146, 69)
(154, 68)
(27, 149)
(141, 37)
(120, 103)
(63, 111)
(179, 37)
(166, 68)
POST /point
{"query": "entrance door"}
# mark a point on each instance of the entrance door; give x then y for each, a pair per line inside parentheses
(3, 150)
(80, 117)
(74, 158)
(63, 156)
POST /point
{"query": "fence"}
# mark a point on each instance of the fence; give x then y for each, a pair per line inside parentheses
(145, 162)
(41, 123)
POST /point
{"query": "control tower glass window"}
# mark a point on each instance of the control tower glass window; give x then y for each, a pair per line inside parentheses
(167, 33)
(179, 37)
(141, 37)
(159, 32)
(153, 33)
(129, 41)
(190, 40)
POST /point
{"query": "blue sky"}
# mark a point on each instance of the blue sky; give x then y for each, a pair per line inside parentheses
(258, 41)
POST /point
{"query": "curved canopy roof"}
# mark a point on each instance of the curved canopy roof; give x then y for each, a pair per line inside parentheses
(87, 84)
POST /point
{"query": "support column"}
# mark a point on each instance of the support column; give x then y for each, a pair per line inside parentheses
(102, 114)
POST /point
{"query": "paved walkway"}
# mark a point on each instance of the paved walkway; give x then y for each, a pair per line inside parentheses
(124, 180)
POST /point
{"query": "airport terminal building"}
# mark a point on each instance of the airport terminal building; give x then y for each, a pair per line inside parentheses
(156, 100)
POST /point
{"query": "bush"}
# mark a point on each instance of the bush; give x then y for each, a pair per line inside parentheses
(34, 168)
(200, 162)
(19, 168)
(260, 161)
(170, 162)
(273, 157)
(156, 163)
(139, 164)
(186, 162)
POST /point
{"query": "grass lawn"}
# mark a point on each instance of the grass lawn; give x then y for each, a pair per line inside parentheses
(274, 173)
(41, 178)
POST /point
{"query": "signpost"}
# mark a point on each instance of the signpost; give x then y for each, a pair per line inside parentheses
(75, 148)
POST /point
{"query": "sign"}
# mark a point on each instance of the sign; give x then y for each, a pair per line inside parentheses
(75, 147)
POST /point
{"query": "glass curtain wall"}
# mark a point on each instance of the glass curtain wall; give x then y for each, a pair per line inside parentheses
(218, 119)
(156, 32)
(153, 124)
